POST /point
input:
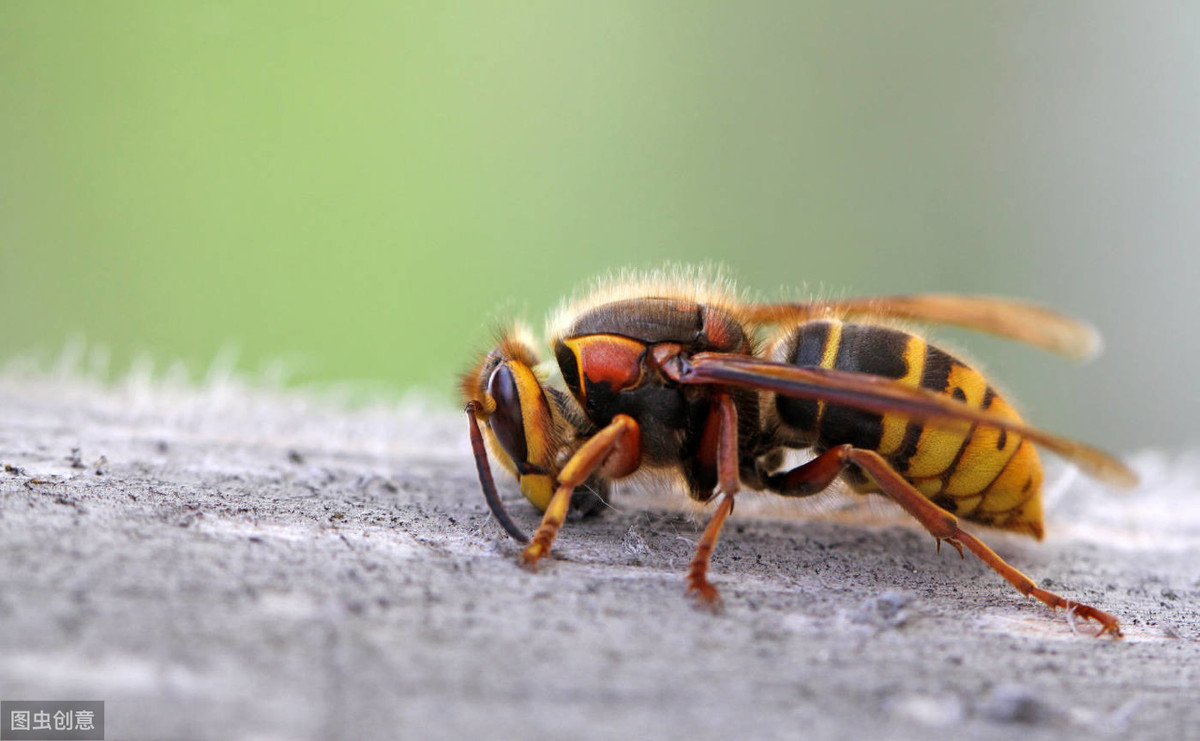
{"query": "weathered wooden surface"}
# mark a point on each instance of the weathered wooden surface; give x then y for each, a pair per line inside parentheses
(234, 564)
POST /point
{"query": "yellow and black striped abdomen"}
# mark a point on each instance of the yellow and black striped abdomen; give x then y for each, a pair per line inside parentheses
(977, 472)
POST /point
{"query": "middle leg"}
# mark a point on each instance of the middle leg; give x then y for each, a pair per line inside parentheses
(727, 476)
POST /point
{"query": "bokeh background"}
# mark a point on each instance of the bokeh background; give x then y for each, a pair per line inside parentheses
(356, 191)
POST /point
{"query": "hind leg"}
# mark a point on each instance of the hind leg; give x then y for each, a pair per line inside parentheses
(818, 473)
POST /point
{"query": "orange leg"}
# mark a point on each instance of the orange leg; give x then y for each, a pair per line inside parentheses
(615, 450)
(810, 478)
(727, 474)
(940, 523)
(697, 577)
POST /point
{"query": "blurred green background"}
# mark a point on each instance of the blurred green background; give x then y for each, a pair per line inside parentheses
(360, 190)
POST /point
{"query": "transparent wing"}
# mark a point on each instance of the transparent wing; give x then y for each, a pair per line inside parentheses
(884, 396)
(1017, 320)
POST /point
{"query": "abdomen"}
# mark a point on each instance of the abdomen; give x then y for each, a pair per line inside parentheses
(977, 472)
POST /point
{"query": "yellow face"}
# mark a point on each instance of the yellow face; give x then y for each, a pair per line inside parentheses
(520, 427)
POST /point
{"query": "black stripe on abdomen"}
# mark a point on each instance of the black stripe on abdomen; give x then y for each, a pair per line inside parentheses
(935, 377)
(808, 347)
(864, 348)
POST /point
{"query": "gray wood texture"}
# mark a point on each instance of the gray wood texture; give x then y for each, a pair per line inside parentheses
(236, 563)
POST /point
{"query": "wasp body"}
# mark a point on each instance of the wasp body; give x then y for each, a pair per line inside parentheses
(681, 378)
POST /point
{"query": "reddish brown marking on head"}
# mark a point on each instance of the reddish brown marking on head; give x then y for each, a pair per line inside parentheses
(609, 359)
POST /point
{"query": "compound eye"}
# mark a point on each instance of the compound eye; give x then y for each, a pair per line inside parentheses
(506, 422)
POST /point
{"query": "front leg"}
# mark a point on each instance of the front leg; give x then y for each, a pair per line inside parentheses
(614, 451)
